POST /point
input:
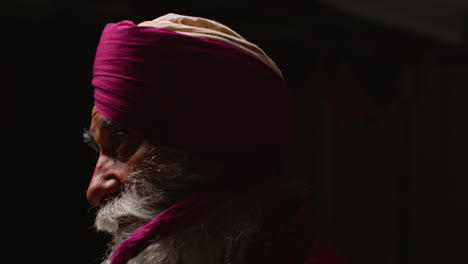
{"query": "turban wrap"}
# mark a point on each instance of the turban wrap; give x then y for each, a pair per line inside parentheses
(200, 95)
(195, 85)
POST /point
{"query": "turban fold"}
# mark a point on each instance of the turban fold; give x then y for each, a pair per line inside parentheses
(200, 95)
(206, 91)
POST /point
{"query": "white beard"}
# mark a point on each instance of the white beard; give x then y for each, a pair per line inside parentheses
(222, 236)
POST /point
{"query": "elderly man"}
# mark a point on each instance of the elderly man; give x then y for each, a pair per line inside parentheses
(192, 123)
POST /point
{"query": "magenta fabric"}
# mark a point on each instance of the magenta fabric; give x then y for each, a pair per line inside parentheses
(189, 93)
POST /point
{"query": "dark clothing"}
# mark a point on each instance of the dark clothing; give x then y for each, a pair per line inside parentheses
(295, 241)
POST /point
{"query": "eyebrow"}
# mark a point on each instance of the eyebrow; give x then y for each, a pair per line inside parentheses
(88, 139)
(106, 123)
(88, 134)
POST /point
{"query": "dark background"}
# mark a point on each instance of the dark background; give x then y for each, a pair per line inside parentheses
(381, 110)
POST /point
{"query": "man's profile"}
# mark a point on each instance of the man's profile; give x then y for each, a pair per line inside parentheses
(192, 123)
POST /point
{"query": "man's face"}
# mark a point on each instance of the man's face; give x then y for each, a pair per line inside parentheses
(119, 151)
(134, 179)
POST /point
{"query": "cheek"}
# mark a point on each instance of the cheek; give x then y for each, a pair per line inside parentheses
(128, 152)
(125, 172)
(135, 161)
(132, 150)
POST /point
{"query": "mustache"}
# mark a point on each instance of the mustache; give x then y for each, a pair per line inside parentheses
(151, 187)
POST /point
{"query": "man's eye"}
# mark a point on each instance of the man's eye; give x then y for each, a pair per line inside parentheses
(119, 138)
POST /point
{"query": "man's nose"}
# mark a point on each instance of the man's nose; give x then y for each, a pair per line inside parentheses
(106, 180)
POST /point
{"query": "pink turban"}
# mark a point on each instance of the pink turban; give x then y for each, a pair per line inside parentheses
(205, 90)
